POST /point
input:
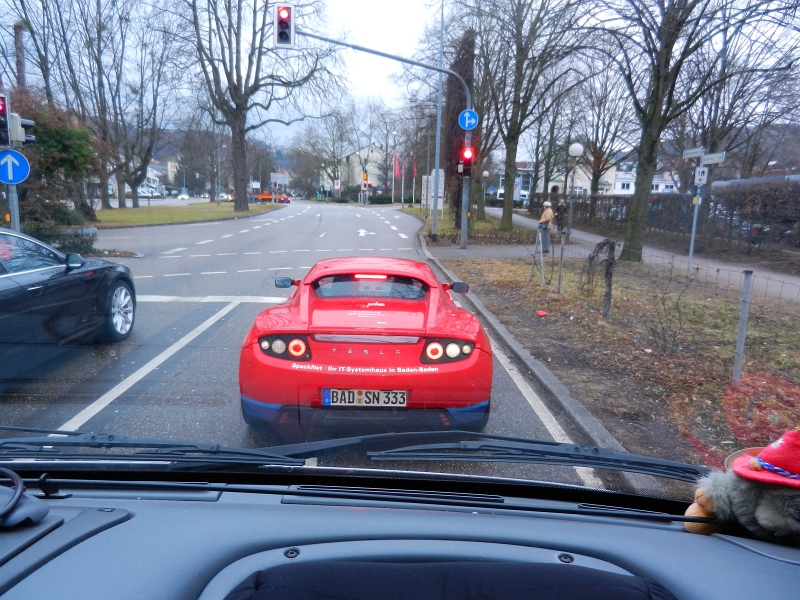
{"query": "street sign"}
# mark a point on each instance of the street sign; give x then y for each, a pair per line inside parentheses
(14, 167)
(280, 178)
(491, 189)
(713, 159)
(468, 120)
(336, 184)
(700, 175)
(693, 153)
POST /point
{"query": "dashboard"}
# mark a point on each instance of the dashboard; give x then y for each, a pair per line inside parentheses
(171, 541)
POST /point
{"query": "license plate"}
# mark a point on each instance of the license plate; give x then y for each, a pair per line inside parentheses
(339, 397)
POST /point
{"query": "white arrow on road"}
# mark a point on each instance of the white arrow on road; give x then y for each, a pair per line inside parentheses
(363, 232)
(11, 162)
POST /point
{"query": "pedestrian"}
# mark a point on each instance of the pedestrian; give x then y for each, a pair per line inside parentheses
(544, 227)
(562, 210)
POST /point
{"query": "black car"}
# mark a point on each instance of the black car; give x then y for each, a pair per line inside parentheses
(49, 300)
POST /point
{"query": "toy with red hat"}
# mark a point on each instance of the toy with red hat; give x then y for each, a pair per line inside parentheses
(760, 490)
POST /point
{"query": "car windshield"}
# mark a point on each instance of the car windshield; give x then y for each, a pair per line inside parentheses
(258, 224)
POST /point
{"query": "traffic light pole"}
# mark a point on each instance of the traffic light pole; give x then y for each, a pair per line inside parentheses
(13, 207)
(467, 135)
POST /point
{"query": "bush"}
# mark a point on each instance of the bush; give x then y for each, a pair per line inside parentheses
(65, 239)
(378, 199)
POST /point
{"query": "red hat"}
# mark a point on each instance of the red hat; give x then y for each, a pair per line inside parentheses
(778, 463)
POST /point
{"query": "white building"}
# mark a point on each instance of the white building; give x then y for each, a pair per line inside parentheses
(369, 160)
(625, 181)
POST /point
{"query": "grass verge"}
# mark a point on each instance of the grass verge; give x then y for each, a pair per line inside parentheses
(164, 215)
(480, 232)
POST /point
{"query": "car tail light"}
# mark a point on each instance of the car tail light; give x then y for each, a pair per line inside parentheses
(287, 347)
(445, 350)
(297, 347)
(434, 351)
(378, 277)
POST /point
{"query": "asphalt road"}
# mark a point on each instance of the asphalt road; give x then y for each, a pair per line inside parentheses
(199, 289)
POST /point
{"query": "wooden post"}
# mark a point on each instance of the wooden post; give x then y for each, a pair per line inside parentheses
(612, 255)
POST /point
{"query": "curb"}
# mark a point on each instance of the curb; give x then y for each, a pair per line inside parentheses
(579, 414)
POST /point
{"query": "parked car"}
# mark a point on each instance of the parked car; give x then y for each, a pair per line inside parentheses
(183, 196)
(49, 300)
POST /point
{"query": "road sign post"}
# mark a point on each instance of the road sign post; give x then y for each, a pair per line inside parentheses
(13, 207)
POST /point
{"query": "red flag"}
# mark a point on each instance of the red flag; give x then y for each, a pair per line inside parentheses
(396, 166)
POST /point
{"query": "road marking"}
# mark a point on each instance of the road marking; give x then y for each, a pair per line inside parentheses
(244, 231)
(323, 235)
(143, 276)
(280, 269)
(171, 256)
(383, 249)
(257, 227)
(545, 416)
(95, 407)
(202, 299)
(345, 250)
(198, 255)
(397, 216)
(248, 270)
(213, 272)
(204, 242)
(251, 252)
(277, 251)
(405, 248)
(366, 248)
(403, 235)
(393, 227)
(173, 251)
(301, 250)
(229, 235)
(316, 215)
(227, 254)
(176, 274)
(323, 250)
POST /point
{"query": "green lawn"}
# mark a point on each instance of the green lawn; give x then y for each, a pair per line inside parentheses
(162, 215)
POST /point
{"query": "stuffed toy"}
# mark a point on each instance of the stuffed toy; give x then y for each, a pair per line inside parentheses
(760, 492)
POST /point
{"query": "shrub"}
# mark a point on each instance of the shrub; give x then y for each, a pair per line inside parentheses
(65, 239)
(378, 199)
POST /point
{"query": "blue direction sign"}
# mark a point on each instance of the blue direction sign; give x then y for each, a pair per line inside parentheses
(14, 167)
(491, 189)
(468, 120)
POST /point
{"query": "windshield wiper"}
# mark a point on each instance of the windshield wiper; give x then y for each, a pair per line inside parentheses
(494, 448)
(50, 445)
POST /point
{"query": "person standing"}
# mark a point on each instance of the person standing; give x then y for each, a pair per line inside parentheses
(562, 210)
(544, 226)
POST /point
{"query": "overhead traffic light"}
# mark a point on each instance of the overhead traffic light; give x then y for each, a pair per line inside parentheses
(4, 134)
(283, 29)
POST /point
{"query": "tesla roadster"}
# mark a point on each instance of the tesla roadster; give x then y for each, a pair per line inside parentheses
(367, 340)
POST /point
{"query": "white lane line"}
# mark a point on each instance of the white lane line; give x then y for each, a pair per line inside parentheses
(301, 250)
(95, 407)
(198, 255)
(358, 215)
(226, 299)
(366, 248)
(393, 227)
(277, 251)
(405, 248)
(323, 250)
(213, 272)
(280, 269)
(171, 256)
(316, 215)
(173, 251)
(204, 242)
(403, 235)
(244, 231)
(176, 274)
(143, 276)
(545, 416)
(397, 216)
(257, 227)
(345, 250)
(323, 235)
(229, 235)
(227, 254)
(251, 252)
(383, 249)
(248, 270)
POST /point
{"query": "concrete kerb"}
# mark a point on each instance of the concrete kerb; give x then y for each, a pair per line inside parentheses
(582, 418)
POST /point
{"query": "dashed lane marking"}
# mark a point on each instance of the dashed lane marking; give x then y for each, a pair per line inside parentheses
(229, 235)
(177, 274)
(323, 250)
(213, 272)
(301, 250)
(227, 254)
(393, 227)
(323, 235)
(143, 277)
(173, 251)
(198, 255)
(277, 251)
(345, 250)
(251, 252)
(248, 270)
(403, 235)
(204, 242)
(171, 256)
(280, 269)
(244, 231)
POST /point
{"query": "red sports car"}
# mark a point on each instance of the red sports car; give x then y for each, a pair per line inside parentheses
(367, 340)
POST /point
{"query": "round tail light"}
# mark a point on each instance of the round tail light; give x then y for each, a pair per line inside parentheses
(452, 350)
(297, 348)
(279, 346)
(434, 351)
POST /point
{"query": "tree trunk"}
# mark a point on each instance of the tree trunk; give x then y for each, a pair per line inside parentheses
(121, 183)
(105, 201)
(135, 196)
(595, 188)
(637, 217)
(239, 157)
(212, 193)
(612, 248)
(508, 183)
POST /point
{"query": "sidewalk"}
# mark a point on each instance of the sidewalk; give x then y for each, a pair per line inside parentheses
(783, 286)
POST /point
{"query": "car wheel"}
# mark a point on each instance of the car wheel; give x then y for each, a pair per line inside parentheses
(479, 425)
(120, 313)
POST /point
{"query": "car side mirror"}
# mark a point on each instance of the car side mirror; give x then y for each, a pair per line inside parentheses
(74, 261)
(285, 282)
(459, 287)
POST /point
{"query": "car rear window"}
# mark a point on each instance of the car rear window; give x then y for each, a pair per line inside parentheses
(351, 286)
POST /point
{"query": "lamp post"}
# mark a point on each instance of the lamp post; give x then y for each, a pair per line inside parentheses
(575, 151)
(394, 149)
(482, 201)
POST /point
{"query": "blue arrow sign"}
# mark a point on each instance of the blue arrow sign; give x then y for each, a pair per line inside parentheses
(491, 189)
(14, 167)
(468, 120)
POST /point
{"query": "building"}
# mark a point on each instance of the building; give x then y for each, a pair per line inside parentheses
(371, 160)
(625, 180)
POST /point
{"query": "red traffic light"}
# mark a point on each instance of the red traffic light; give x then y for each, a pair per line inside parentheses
(2, 105)
(283, 12)
(468, 153)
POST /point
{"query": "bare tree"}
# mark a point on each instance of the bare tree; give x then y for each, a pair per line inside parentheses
(328, 140)
(249, 83)
(658, 48)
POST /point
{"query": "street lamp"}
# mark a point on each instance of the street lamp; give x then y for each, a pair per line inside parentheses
(394, 148)
(575, 151)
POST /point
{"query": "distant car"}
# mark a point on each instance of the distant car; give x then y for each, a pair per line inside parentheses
(49, 300)
(183, 196)
(224, 197)
(367, 340)
(204, 195)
